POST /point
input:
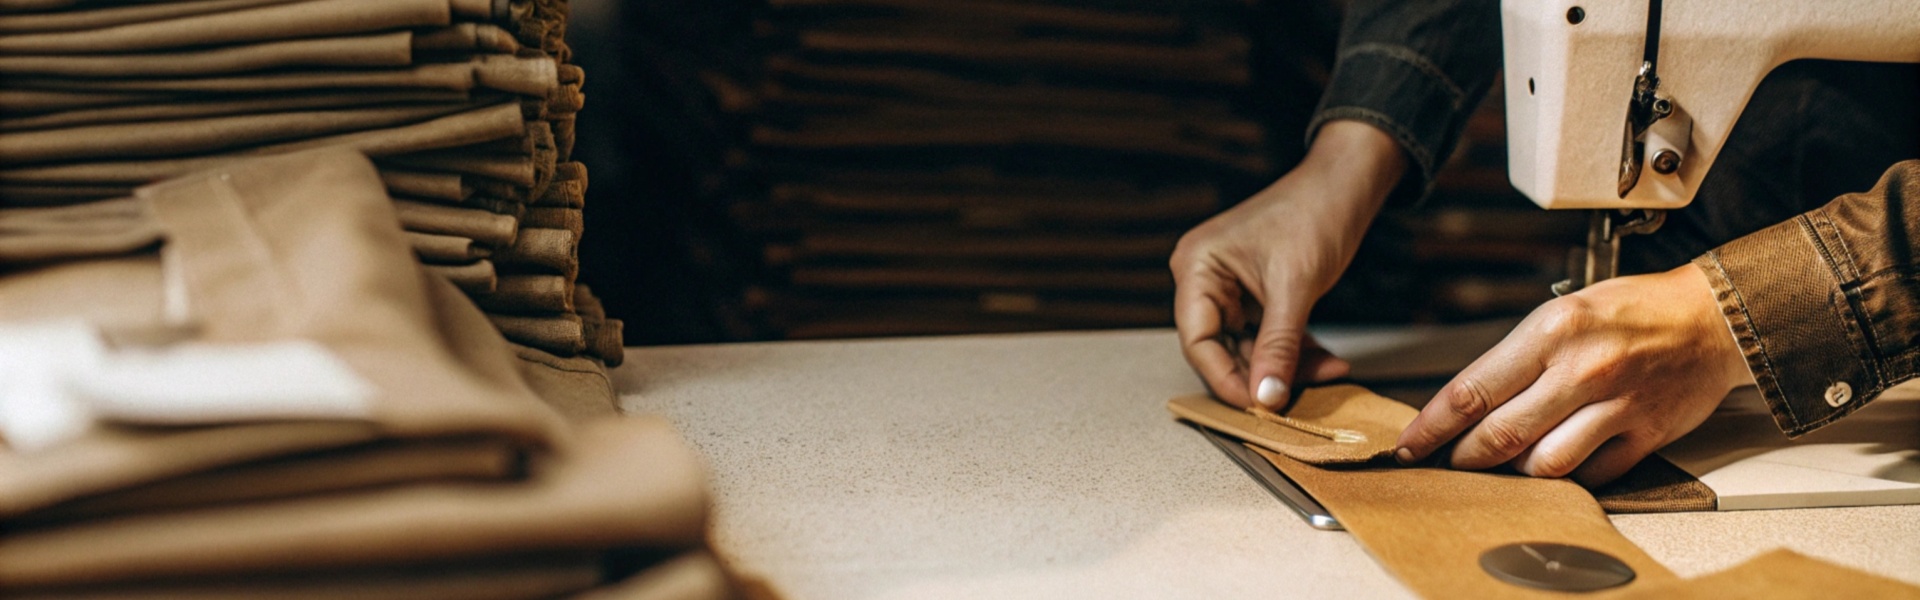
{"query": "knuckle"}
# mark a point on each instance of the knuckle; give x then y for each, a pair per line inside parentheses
(1503, 439)
(1550, 463)
(1468, 400)
(1565, 316)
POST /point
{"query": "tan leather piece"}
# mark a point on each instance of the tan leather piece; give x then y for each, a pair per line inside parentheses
(31, 235)
(1344, 407)
(1429, 526)
(577, 386)
(690, 576)
(592, 498)
(564, 335)
(518, 578)
(1776, 575)
(515, 169)
(422, 184)
(486, 227)
(446, 249)
(467, 37)
(524, 294)
(14, 101)
(553, 250)
(477, 277)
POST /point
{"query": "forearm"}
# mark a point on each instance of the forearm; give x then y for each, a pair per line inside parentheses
(1416, 71)
(1826, 306)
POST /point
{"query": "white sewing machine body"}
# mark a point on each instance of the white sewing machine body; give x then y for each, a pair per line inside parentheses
(1571, 67)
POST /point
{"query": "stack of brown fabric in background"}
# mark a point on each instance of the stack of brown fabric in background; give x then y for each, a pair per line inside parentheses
(467, 106)
(917, 166)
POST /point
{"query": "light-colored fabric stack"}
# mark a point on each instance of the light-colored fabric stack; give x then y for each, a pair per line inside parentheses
(466, 106)
(240, 384)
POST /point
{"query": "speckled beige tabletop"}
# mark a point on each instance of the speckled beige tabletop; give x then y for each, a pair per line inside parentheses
(1046, 466)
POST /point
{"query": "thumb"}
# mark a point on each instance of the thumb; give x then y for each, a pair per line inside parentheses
(1276, 351)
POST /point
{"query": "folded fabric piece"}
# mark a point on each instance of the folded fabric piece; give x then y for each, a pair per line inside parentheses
(455, 479)
(446, 249)
(196, 136)
(378, 50)
(95, 18)
(531, 76)
(187, 109)
(307, 19)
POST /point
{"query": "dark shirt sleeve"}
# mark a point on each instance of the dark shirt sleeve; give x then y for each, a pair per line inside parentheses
(1416, 70)
(1826, 306)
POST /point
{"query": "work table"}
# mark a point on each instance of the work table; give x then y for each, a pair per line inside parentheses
(1046, 466)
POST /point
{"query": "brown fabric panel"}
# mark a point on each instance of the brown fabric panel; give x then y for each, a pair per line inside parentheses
(467, 37)
(273, 22)
(453, 130)
(113, 227)
(114, 458)
(562, 334)
(568, 193)
(535, 294)
(576, 386)
(693, 576)
(15, 101)
(515, 578)
(474, 278)
(178, 109)
(1777, 575)
(570, 219)
(307, 246)
(1654, 486)
(590, 499)
(515, 169)
(488, 228)
(1429, 526)
(393, 49)
(453, 77)
(95, 18)
(552, 250)
(198, 136)
(446, 249)
(358, 467)
(422, 184)
(17, 195)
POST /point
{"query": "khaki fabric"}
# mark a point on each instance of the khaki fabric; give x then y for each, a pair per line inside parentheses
(195, 108)
(314, 18)
(75, 20)
(1777, 575)
(392, 49)
(1429, 526)
(594, 498)
(519, 578)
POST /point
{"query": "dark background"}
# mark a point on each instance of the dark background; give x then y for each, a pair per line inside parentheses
(785, 169)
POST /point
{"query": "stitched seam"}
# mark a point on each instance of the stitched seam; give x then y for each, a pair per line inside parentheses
(1853, 264)
(1414, 59)
(1848, 325)
(1766, 356)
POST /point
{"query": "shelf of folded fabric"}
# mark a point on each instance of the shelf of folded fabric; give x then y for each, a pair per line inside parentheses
(915, 167)
(467, 107)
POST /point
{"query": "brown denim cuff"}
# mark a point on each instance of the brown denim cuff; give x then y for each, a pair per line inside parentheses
(1781, 296)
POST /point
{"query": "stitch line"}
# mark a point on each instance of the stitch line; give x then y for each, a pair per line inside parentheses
(1414, 59)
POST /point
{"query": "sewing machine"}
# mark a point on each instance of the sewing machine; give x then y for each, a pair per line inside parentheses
(1621, 106)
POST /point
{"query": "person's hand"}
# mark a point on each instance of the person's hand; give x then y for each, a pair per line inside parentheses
(1590, 383)
(1261, 265)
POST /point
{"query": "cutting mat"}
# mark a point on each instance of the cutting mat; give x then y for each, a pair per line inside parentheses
(1871, 457)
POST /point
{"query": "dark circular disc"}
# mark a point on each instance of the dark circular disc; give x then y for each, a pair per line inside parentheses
(1556, 567)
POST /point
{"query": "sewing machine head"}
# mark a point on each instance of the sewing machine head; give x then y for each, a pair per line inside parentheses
(1624, 104)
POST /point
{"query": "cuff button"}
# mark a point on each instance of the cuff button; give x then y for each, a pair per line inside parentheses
(1839, 393)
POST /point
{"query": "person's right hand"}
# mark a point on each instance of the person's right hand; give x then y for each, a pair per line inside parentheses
(1261, 265)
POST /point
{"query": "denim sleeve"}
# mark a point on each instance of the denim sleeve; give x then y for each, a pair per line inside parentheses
(1826, 306)
(1416, 70)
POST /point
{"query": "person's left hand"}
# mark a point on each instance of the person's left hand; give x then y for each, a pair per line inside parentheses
(1590, 383)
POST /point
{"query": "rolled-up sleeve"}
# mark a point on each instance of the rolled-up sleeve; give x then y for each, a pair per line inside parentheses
(1416, 70)
(1826, 306)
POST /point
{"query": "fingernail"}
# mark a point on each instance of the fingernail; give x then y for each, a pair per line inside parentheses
(1403, 455)
(1272, 392)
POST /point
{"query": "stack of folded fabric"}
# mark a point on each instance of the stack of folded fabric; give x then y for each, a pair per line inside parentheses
(240, 384)
(467, 107)
(918, 166)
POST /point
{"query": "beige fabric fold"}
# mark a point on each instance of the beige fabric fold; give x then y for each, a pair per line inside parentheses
(477, 277)
(197, 136)
(488, 228)
(570, 219)
(460, 129)
(351, 468)
(313, 18)
(96, 18)
(595, 498)
(514, 578)
(446, 249)
(497, 72)
(16, 101)
(552, 250)
(536, 294)
(560, 334)
(30, 235)
(467, 37)
(178, 109)
(514, 169)
(425, 184)
(575, 385)
(392, 49)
